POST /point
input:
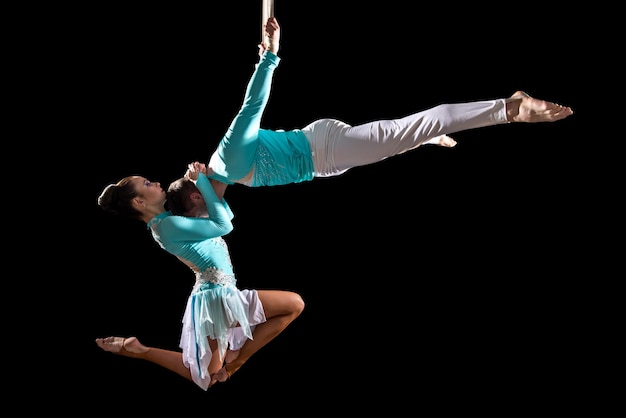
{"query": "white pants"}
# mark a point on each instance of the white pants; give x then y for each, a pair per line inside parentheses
(337, 146)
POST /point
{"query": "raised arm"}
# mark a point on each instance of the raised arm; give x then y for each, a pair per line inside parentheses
(218, 186)
(194, 173)
(234, 157)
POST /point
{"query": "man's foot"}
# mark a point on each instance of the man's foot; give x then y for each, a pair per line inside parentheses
(442, 141)
(520, 107)
(120, 345)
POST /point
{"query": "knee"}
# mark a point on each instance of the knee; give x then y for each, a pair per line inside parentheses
(297, 304)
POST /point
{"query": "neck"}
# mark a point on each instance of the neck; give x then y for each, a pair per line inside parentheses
(150, 213)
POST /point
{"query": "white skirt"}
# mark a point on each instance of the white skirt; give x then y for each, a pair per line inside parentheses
(222, 313)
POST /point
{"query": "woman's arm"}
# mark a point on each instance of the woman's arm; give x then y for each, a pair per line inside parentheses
(190, 228)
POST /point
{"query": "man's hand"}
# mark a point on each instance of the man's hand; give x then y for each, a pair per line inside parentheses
(272, 33)
(194, 169)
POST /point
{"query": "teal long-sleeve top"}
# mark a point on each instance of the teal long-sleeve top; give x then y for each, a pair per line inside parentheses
(198, 240)
(277, 157)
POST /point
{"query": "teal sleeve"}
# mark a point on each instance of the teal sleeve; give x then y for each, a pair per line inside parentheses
(235, 154)
(183, 228)
(214, 205)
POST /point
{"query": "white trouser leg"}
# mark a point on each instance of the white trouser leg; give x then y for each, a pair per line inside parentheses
(337, 146)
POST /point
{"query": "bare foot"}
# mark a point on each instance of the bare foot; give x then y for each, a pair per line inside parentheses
(123, 346)
(230, 356)
(442, 140)
(520, 107)
(224, 373)
(221, 375)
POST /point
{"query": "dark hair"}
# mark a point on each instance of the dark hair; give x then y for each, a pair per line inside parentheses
(178, 193)
(116, 199)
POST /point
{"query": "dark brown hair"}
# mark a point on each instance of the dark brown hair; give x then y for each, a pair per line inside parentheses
(116, 199)
(178, 193)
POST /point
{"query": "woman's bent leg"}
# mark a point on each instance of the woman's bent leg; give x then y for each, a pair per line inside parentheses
(281, 308)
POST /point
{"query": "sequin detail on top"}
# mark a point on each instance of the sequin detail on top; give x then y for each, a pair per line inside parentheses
(267, 171)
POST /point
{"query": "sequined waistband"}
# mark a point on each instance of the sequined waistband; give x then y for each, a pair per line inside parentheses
(215, 276)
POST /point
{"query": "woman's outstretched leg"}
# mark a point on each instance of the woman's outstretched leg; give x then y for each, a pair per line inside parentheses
(131, 347)
(281, 308)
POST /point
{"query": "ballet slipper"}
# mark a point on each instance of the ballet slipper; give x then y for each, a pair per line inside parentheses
(523, 108)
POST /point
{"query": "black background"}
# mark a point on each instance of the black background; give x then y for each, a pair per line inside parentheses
(432, 279)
